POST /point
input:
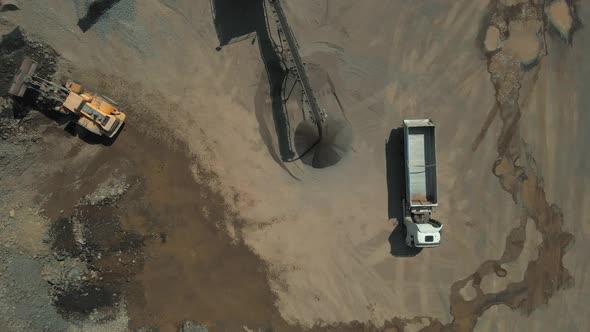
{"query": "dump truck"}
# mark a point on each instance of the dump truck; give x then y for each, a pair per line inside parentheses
(420, 197)
(96, 113)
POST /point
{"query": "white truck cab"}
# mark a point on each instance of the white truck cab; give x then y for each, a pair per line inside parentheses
(421, 233)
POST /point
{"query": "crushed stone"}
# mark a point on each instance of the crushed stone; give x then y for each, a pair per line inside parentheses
(107, 192)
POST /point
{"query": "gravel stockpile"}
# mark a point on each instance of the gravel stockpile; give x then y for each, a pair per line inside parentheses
(108, 191)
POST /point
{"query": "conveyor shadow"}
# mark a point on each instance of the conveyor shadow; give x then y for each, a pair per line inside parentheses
(238, 20)
(394, 158)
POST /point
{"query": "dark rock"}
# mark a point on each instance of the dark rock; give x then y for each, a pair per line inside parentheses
(59, 256)
(12, 41)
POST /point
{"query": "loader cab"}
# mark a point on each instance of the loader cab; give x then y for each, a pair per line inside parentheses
(113, 118)
(100, 117)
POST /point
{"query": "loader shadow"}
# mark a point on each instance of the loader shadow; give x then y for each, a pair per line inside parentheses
(95, 11)
(30, 102)
(90, 138)
(238, 20)
(394, 158)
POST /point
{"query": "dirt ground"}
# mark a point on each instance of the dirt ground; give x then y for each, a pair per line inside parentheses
(197, 217)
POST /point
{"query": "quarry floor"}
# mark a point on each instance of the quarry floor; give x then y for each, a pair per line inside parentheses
(191, 214)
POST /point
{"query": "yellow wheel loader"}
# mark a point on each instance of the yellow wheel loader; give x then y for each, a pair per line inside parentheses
(95, 113)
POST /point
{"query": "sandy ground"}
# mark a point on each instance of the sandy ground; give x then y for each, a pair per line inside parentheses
(326, 237)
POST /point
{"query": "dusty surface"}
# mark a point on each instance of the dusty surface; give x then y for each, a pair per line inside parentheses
(492, 39)
(559, 14)
(192, 219)
(524, 42)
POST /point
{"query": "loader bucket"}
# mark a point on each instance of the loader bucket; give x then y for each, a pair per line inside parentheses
(25, 72)
(6, 5)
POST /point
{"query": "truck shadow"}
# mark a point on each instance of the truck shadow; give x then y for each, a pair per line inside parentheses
(394, 160)
(236, 21)
(8, 5)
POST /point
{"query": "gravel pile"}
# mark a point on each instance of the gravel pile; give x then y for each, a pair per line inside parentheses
(14, 46)
(189, 326)
(24, 300)
(107, 192)
(67, 272)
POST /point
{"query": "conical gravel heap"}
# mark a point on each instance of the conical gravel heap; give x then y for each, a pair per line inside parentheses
(334, 144)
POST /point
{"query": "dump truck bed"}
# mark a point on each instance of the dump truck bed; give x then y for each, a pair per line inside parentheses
(420, 163)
